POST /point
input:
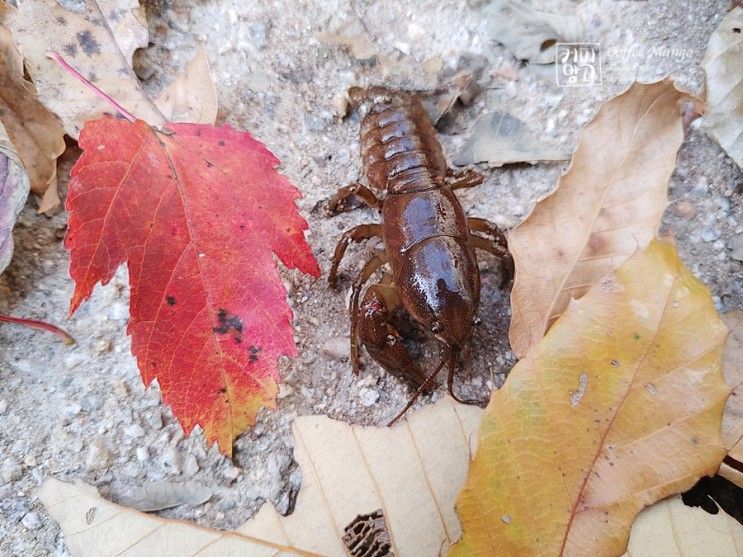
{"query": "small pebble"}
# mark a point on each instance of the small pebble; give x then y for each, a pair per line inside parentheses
(72, 409)
(337, 348)
(171, 460)
(736, 246)
(134, 431)
(190, 466)
(11, 470)
(118, 311)
(71, 361)
(339, 105)
(701, 188)
(3, 407)
(685, 210)
(32, 521)
(99, 455)
(231, 473)
(101, 347)
(142, 454)
(285, 390)
(710, 234)
(369, 397)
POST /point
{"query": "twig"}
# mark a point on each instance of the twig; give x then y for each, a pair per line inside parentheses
(36, 324)
(80, 77)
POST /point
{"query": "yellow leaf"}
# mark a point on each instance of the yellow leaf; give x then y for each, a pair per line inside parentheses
(617, 407)
(670, 528)
(609, 202)
(732, 419)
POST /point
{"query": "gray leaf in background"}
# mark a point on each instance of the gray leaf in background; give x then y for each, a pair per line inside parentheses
(157, 496)
(528, 33)
(724, 66)
(500, 138)
(14, 187)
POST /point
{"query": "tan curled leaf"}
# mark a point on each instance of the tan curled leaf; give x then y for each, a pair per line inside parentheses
(99, 43)
(98, 528)
(192, 97)
(403, 479)
(671, 529)
(35, 132)
(500, 138)
(617, 407)
(528, 33)
(732, 421)
(609, 202)
(13, 192)
(724, 68)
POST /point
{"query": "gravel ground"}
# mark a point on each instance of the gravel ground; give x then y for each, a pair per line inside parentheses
(83, 413)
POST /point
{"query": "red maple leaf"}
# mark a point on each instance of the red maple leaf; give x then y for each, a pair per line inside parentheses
(197, 213)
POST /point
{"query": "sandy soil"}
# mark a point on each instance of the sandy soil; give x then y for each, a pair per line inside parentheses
(83, 413)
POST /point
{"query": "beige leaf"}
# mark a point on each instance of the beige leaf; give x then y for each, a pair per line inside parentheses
(671, 529)
(724, 68)
(35, 132)
(99, 43)
(732, 420)
(192, 97)
(348, 471)
(412, 473)
(500, 138)
(98, 528)
(608, 203)
(528, 33)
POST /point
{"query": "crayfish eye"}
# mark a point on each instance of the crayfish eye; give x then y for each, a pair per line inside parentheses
(436, 327)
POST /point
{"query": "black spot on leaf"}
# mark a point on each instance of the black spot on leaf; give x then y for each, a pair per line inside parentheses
(227, 321)
(170, 300)
(88, 43)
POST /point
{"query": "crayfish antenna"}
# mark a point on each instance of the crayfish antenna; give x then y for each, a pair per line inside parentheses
(424, 386)
(450, 384)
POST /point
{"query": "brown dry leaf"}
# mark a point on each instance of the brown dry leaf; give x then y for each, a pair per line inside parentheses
(99, 43)
(724, 68)
(349, 477)
(671, 529)
(528, 33)
(192, 97)
(732, 421)
(609, 202)
(35, 132)
(617, 407)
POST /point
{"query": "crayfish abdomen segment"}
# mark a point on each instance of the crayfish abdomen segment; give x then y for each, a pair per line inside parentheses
(398, 142)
